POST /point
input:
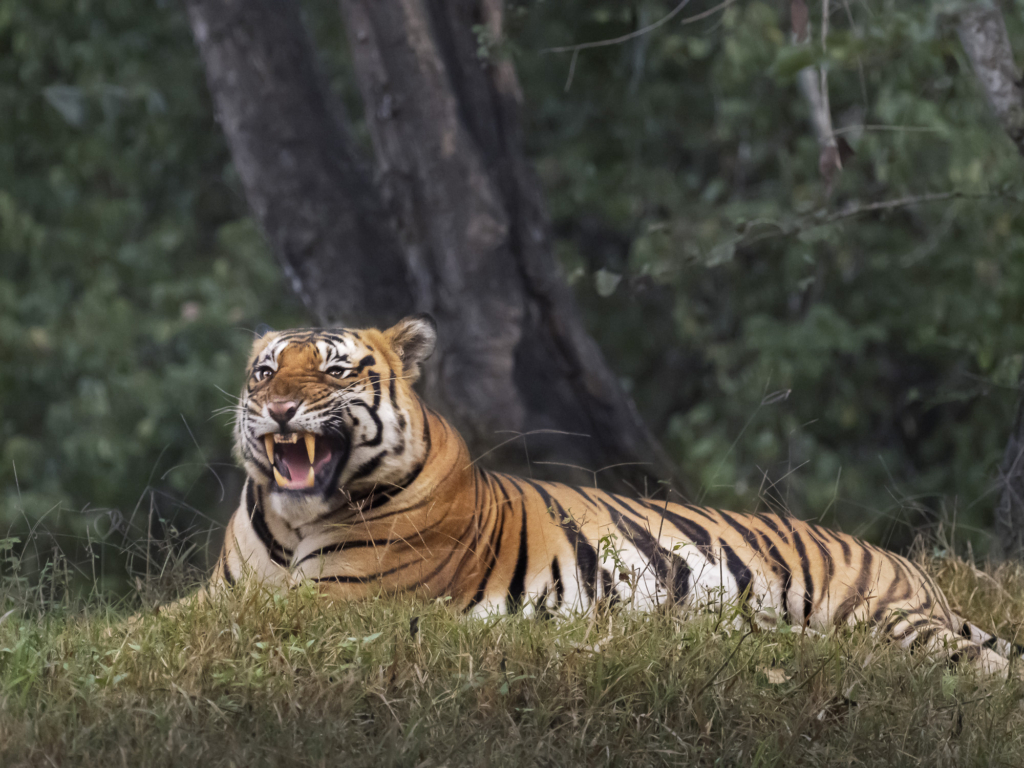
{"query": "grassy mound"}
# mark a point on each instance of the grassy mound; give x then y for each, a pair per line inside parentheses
(261, 679)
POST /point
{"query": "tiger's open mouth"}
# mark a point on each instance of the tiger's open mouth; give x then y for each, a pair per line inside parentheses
(302, 460)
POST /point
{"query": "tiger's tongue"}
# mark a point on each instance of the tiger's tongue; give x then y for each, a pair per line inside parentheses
(296, 459)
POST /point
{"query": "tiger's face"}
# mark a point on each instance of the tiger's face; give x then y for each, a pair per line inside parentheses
(328, 415)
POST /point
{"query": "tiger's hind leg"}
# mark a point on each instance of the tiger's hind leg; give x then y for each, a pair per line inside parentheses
(934, 636)
(1005, 648)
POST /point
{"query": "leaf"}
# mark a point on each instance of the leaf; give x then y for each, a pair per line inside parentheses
(69, 101)
(775, 675)
(605, 282)
(950, 683)
(720, 254)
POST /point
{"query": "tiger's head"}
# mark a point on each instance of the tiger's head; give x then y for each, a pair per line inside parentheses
(327, 415)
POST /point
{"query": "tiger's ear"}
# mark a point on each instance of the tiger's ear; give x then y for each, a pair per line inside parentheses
(413, 340)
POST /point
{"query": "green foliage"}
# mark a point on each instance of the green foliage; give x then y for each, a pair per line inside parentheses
(129, 276)
(857, 367)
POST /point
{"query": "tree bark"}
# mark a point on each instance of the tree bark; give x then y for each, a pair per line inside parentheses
(982, 33)
(304, 184)
(471, 242)
(514, 357)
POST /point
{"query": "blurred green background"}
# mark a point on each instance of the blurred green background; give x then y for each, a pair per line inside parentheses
(861, 371)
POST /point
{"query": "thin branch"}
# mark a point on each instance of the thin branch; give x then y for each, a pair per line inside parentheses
(852, 210)
(643, 30)
(877, 127)
(888, 205)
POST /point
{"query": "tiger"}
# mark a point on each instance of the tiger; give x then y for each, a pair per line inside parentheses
(354, 485)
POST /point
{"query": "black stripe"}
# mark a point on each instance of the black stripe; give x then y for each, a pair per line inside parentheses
(608, 584)
(890, 596)
(786, 572)
(443, 563)
(738, 569)
(392, 395)
(372, 410)
(426, 431)
(826, 555)
(363, 579)
(495, 553)
(742, 530)
(556, 577)
(358, 369)
(514, 600)
(404, 483)
(671, 570)
(586, 555)
(864, 574)
(278, 553)
(840, 539)
(341, 546)
(693, 531)
(767, 520)
(367, 467)
(250, 496)
(805, 565)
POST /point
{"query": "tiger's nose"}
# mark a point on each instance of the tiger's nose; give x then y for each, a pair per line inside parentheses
(282, 411)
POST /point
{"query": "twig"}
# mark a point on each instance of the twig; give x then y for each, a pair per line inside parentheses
(877, 127)
(888, 205)
(643, 30)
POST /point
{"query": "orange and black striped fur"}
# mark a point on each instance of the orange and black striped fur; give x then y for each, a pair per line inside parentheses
(355, 485)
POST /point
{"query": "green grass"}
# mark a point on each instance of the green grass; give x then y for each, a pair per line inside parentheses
(262, 679)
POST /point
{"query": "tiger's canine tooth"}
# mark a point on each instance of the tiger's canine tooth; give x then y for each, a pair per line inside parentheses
(280, 479)
(310, 447)
(268, 441)
(310, 478)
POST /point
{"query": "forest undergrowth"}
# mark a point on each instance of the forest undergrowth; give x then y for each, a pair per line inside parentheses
(258, 678)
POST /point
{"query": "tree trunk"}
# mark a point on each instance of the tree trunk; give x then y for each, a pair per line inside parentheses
(473, 245)
(304, 184)
(982, 33)
(514, 356)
